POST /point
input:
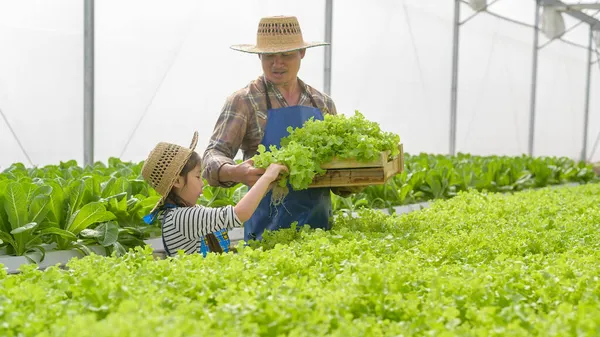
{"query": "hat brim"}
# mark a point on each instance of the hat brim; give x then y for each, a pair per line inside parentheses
(187, 157)
(253, 49)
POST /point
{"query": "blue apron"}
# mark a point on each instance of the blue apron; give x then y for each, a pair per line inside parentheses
(310, 206)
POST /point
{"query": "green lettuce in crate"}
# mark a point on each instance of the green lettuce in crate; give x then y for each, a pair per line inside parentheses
(318, 142)
(344, 137)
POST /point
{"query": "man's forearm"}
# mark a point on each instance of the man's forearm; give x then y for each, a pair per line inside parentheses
(212, 165)
(228, 173)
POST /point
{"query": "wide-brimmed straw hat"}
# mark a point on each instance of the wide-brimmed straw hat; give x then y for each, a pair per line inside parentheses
(277, 34)
(163, 165)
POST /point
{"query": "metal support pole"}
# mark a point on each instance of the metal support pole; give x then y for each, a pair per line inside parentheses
(454, 87)
(534, 69)
(328, 33)
(587, 96)
(88, 80)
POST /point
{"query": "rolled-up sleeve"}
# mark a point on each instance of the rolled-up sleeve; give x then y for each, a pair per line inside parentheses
(226, 140)
(332, 110)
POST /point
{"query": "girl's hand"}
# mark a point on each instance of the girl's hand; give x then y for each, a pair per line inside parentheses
(246, 207)
(274, 170)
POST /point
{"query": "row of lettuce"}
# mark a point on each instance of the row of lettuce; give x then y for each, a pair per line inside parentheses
(430, 177)
(480, 264)
(66, 206)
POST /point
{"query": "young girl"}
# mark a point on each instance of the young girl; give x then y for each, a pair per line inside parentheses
(175, 173)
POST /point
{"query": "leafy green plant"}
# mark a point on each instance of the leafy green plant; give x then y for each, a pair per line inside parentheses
(319, 141)
(430, 177)
(219, 196)
(60, 191)
(23, 217)
(71, 199)
(478, 264)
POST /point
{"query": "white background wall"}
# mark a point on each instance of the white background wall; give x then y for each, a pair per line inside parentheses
(164, 69)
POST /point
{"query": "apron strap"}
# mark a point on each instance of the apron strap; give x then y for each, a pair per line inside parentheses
(267, 94)
(269, 106)
(213, 243)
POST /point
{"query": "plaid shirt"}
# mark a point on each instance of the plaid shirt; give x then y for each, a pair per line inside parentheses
(242, 122)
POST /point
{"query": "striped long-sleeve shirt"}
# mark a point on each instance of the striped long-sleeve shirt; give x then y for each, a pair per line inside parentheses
(184, 227)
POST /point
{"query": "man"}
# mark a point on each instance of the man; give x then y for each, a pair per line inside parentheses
(260, 113)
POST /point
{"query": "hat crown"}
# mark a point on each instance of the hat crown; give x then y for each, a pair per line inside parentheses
(160, 169)
(279, 25)
(278, 34)
(279, 31)
(164, 163)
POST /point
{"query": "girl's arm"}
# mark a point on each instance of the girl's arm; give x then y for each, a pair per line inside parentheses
(246, 207)
(195, 222)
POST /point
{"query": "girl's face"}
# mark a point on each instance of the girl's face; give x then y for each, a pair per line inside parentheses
(191, 190)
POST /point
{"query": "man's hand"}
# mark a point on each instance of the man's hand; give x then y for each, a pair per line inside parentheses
(244, 173)
(247, 173)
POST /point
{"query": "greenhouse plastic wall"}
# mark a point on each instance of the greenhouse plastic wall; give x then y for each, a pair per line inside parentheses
(41, 82)
(165, 70)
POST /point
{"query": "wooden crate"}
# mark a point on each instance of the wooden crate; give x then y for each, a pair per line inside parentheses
(352, 173)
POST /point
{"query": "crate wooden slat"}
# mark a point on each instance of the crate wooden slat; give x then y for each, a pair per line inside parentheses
(350, 163)
(352, 173)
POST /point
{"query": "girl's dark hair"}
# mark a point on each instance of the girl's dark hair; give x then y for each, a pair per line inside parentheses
(195, 160)
(190, 165)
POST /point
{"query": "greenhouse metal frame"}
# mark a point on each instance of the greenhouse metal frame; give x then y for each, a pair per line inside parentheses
(573, 10)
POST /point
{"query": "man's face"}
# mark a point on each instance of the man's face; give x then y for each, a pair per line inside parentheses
(282, 68)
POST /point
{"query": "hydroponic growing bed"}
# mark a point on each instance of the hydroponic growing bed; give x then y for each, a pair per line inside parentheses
(76, 210)
(479, 264)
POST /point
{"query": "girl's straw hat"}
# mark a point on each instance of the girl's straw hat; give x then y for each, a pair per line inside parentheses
(277, 34)
(163, 165)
